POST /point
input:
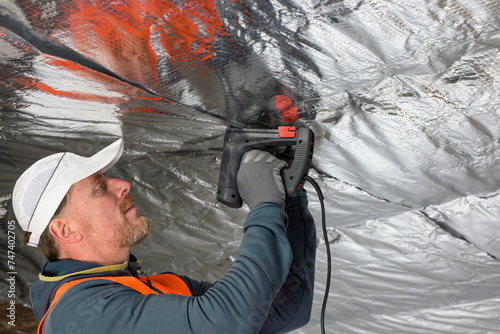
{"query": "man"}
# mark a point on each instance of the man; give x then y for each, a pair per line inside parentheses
(86, 224)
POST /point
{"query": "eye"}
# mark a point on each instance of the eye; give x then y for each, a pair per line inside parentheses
(100, 187)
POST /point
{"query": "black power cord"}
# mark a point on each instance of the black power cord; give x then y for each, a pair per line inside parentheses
(327, 244)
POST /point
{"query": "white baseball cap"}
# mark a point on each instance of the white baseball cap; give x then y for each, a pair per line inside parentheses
(41, 188)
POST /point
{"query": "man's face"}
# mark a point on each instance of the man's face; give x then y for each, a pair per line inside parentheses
(104, 212)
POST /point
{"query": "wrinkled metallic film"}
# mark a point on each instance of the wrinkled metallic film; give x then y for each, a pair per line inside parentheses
(402, 96)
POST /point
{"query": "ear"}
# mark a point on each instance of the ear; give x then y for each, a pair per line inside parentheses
(62, 230)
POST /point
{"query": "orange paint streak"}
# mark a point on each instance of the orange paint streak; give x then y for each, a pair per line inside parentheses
(129, 37)
(40, 86)
(81, 70)
(150, 98)
(147, 110)
(287, 109)
(17, 43)
(29, 83)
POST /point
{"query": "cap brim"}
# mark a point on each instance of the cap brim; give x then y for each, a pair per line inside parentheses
(104, 159)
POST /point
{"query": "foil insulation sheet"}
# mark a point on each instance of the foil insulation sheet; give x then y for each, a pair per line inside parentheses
(403, 97)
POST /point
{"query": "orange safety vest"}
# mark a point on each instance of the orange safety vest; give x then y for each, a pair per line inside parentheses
(166, 283)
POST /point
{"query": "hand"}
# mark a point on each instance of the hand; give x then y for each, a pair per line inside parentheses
(287, 154)
(259, 179)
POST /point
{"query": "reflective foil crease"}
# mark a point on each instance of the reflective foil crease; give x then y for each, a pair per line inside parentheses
(403, 98)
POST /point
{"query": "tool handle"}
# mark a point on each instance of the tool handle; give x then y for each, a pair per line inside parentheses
(293, 176)
(239, 141)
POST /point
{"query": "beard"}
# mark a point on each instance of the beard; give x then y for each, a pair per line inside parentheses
(133, 232)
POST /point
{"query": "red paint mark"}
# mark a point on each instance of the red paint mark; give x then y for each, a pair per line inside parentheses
(79, 96)
(29, 83)
(288, 110)
(143, 110)
(129, 37)
(150, 98)
(81, 71)
(17, 43)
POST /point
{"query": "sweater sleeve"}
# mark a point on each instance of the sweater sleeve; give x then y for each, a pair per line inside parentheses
(238, 303)
(291, 308)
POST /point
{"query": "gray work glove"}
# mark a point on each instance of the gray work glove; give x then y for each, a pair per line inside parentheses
(259, 179)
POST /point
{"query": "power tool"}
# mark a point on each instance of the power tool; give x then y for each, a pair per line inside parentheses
(237, 141)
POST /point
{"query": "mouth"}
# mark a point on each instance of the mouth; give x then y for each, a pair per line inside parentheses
(130, 207)
(128, 204)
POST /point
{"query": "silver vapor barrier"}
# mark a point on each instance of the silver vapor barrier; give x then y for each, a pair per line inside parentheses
(403, 98)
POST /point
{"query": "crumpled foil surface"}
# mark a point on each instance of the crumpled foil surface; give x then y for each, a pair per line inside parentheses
(403, 97)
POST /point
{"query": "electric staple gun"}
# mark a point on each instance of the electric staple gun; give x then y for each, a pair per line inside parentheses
(239, 141)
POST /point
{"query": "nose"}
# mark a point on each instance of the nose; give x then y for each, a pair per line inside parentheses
(120, 187)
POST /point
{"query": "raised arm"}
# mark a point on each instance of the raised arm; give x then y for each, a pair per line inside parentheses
(291, 308)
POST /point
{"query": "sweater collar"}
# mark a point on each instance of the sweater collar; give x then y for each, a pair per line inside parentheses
(54, 271)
